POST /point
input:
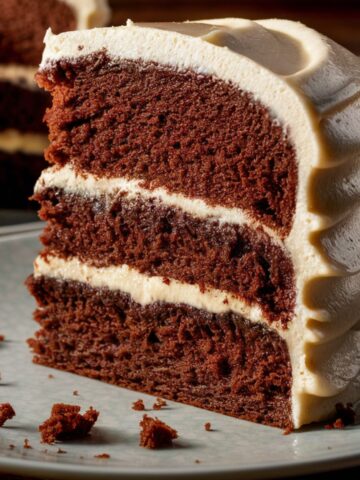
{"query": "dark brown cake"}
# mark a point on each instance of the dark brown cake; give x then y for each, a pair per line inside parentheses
(155, 433)
(66, 423)
(221, 362)
(185, 254)
(6, 413)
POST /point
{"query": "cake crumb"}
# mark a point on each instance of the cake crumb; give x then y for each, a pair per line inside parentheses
(138, 405)
(155, 433)
(50, 375)
(288, 430)
(159, 404)
(27, 443)
(75, 393)
(65, 422)
(2, 338)
(59, 450)
(197, 461)
(11, 446)
(6, 413)
(207, 426)
(102, 455)
(344, 416)
(337, 424)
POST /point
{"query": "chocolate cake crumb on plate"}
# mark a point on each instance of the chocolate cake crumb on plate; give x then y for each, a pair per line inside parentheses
(155, 433)
(66, 423)
(138, 405)
(159, 404)
(6, 413)
(27, 444)
(2, 338)
(207, 426)
(288, 430)
(344, 416)
(102, 455)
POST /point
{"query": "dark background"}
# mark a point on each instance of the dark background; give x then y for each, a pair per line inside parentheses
(338, 19)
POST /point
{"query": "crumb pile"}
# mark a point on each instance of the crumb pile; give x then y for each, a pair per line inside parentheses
(155, 433)
(6, 413)
(159, 404)
(66, 423)
(344, 416)
(138, 405)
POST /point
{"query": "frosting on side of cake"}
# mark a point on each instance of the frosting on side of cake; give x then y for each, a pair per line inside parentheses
(312, 88)
(30, 143)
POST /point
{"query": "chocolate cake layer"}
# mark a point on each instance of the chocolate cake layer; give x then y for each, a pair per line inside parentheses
(219, 362)
(23, 24)
(191, 133)
(22, 109)
(18, 174)
(165, 241)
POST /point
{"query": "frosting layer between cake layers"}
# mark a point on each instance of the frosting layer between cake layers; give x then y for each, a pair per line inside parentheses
(311, 88)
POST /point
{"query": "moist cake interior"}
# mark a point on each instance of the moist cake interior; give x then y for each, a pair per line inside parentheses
(193, 136)
(190, 133)
(220, 362)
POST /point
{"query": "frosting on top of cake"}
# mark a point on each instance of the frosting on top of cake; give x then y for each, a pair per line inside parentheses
(311, 86)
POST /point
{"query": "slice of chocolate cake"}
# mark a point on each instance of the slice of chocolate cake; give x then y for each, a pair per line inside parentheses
(201, 240)
(23, 136)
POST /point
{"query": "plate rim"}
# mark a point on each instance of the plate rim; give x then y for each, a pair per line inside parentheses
(37, 467)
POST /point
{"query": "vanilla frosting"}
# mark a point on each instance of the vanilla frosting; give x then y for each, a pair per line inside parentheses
(311, 86)
(109, 189)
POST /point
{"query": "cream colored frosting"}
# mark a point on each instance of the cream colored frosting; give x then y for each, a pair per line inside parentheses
(144, 289)
(311, 86)
(91, 186)
(89, 14)
(12, 141)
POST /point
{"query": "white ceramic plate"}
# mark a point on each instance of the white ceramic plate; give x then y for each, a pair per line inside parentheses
(235, 449)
